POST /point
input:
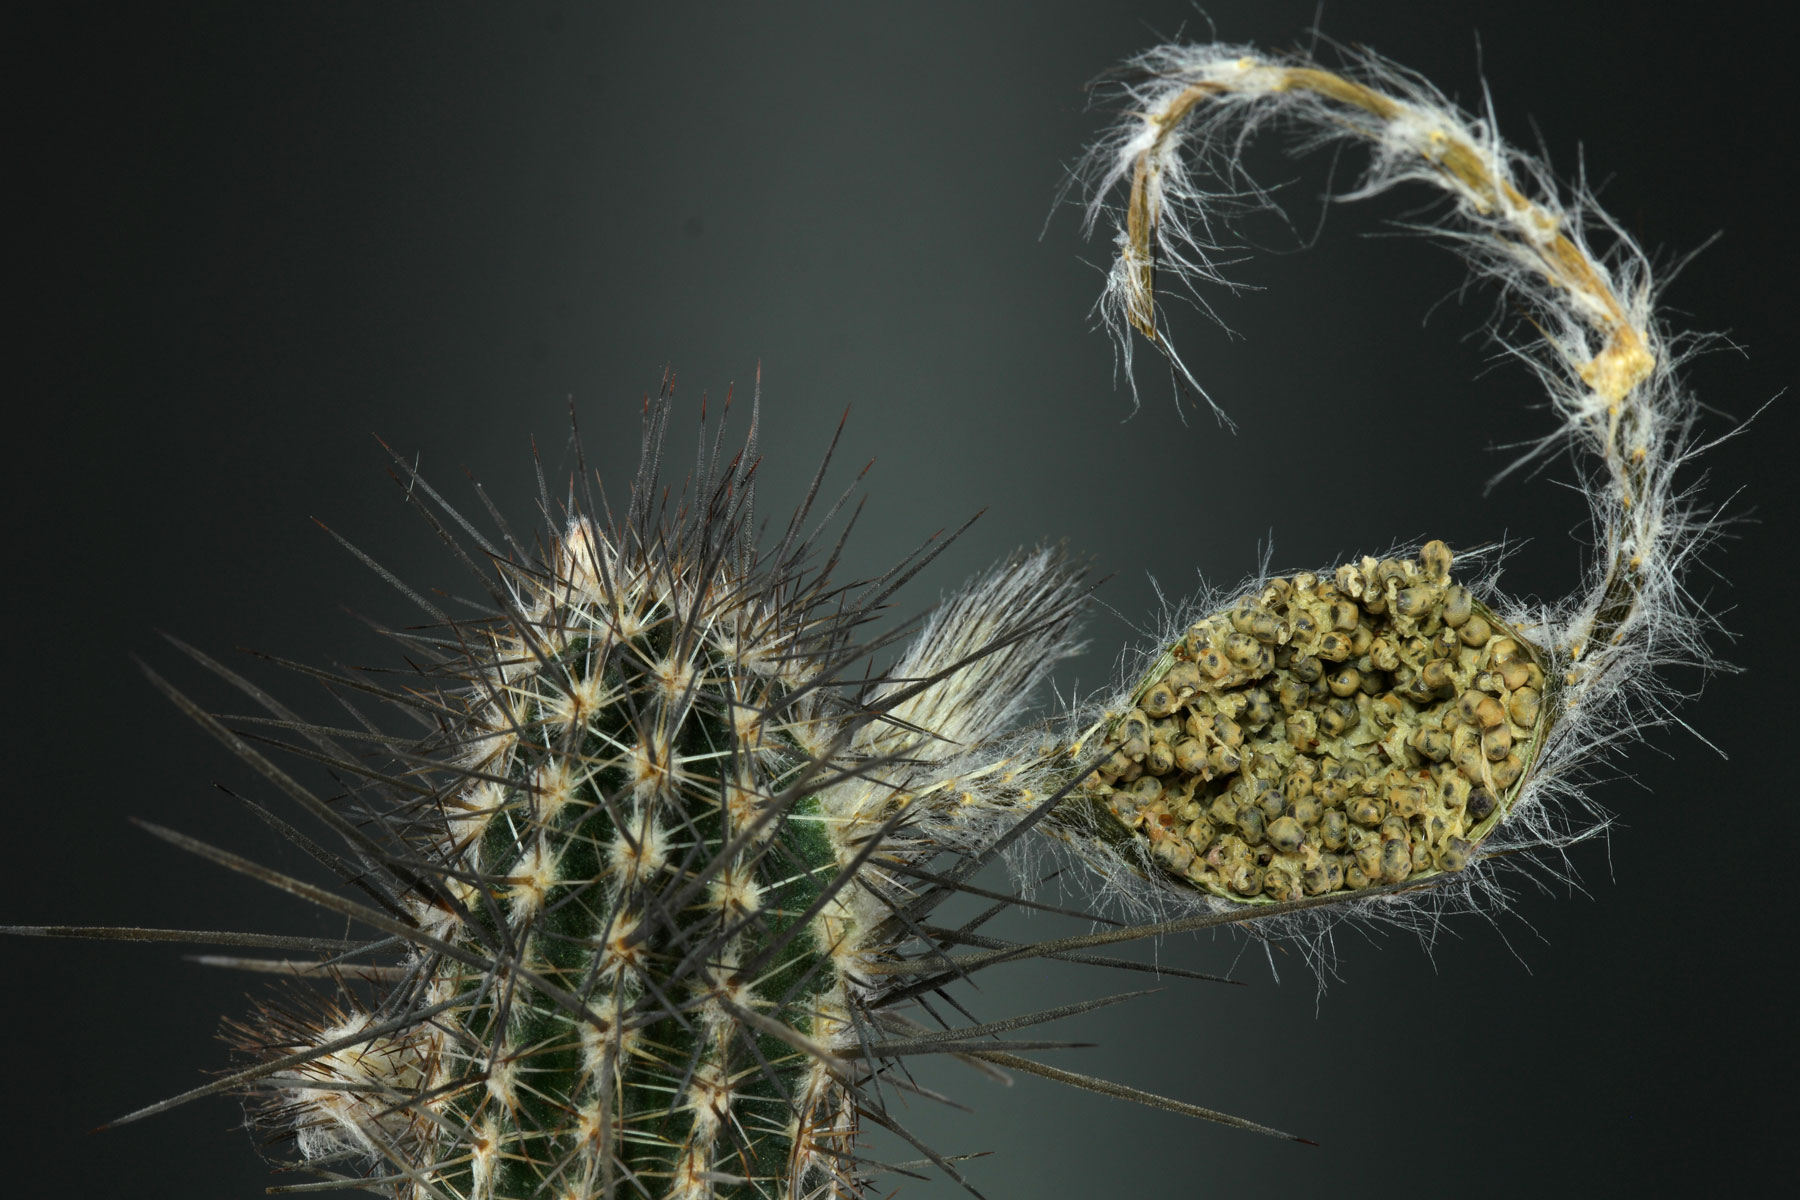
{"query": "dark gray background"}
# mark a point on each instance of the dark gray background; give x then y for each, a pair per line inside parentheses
(246, 237)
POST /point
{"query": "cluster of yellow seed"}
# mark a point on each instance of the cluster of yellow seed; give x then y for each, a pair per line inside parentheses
(1328, 733)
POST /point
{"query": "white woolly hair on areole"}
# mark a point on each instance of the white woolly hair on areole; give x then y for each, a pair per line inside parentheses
(1167, 177)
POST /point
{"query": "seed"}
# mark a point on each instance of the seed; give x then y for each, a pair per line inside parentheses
(1223, 760)
(1365, 811)
(1303, 731)
(1281, 886)
(1190, 756)
(1228, 731)
(1407, 800)
(1183, 677)
(1174, 853)
(1368, 860)
(1506, 772)
(1160, 759)
(1242, 649)
(1466, 754)
(1200, 834)
(1257, 710)
(1286, 835)
(1256, 621)
(1414, 601)
(1355, 879)
(1459, 606)
(1343, 615)
(1306, 809)
(1223, 811)
(1306, 669)
(1344, 682)
(1504, 651)
(1488, 713)
(1481, 805)
(1523, 704)
(1436, 675)
(1433, 744)
(1436, 558)
(1212, 662)
(1134, 724)
(1334, 829)
(1250, 824)
(1452, 792)
(1416, 689)
(1475, 631)
(1396, 860)
(1331, 793)
(1146, 790)
(1246, 880)
(1386, 710)
(1335, 646)
(1454, 856)
(1496, 744)
(1159, 700)
(1271, 802)
(1339, 717)
(1515, 674)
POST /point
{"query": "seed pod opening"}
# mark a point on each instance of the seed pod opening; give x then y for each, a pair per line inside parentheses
(1436, 760)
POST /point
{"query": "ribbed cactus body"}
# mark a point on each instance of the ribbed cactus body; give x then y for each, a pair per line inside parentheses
(632, 856)
(616, 834)
(653, 870)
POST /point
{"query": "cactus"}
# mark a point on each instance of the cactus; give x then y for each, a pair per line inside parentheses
(634, 854)
(648, 851)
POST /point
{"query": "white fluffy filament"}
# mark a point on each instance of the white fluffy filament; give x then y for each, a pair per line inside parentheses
(1605, 362)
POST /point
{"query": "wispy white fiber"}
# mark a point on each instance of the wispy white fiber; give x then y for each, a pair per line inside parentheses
(1167, 176)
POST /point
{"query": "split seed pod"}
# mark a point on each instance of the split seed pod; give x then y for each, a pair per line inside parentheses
(1395, 745)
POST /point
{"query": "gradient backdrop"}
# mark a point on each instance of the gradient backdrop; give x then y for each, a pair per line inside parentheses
(253, 235)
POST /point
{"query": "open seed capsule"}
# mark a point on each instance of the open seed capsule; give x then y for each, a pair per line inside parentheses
(1378, 716)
